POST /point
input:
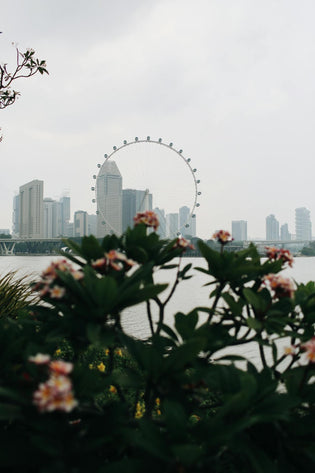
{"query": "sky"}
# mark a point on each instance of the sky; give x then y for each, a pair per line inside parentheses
(230, 82)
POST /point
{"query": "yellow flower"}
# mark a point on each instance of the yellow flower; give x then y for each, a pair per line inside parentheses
(101, 367)
(195, 418)
(58, 352)
(140, 410)
(158, 401)
(112, 389)
(118, 352)
(91, 366)
(158, 412)
(107, 351)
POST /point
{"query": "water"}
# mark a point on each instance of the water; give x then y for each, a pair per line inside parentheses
(189, 294)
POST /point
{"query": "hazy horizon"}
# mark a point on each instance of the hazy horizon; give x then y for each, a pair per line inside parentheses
(231, 83)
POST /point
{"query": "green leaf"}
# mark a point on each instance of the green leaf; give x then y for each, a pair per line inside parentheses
(254, 299)
(10, 412)
(169, 332)
(185, 324)
(254, 324)
(185, 354)
(212, 257)
(187, 454)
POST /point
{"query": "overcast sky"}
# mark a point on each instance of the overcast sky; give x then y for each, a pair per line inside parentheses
(231, 82)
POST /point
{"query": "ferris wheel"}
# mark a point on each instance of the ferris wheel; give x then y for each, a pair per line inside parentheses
(138, 173)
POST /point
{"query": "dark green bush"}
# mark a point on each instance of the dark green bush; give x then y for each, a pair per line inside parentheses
(171, 402)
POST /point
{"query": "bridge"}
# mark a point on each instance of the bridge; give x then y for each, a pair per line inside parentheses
(7, 245)
(261, 244)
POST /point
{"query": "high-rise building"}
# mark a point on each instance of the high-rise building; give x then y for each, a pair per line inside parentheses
(184, 214)
(52, 227)
(172, 225)
(92, 224)
(239, 230)
(303, 225)
(162, 222)
(64, 214)
(16, 215)
(109, 199)
(285, 235)
(272, 228)
(80, 223)
(31, 220)
(192, 225)
(187, 222)
(134, 201)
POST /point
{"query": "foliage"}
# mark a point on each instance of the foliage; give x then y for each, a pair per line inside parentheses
(15, 294)
(309, 250)
(5, 236)
(27, 65)
(173, 402)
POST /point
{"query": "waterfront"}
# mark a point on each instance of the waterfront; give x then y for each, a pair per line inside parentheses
(189, 294)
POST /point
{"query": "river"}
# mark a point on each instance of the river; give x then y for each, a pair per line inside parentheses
(189, 294)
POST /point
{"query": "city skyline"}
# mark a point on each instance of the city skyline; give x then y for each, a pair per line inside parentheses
(37, 217)
(56, 215)
(230, 83)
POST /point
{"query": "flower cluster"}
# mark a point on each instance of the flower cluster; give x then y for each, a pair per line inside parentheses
(183, 244)
(280, 286)
(48, 285)
(140, 410)
(309, 348)
(113, 260)
(149, 218)
(222, 236)
(56, 393)
(275, 254)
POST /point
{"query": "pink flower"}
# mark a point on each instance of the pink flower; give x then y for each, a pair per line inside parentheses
(183, 243)
(280, 286)
(50, 272)
(309, 348)
(222, 236)
(60, 367)
(57, 292)
(55, 394)
(48, 286)
(113, 260)
(78, 275)
(275, 254)
(39, 359)
(290, 350)
(149, 218)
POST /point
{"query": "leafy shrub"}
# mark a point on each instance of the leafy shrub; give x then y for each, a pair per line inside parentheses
(171, 402)
(15, 294)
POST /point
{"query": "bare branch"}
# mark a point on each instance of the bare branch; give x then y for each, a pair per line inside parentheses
(26, 66)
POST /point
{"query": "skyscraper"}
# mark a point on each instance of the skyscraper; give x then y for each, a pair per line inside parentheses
(52, 228)
(172, 226)
(80, 223)
(109, 199)
(134, 201)
(162, 222)
(285, 235)
(187, 223)
(64, 214)
(31, 221)
(92, 224)
(303, 225)
(272, 228)
(184, 213)
(239, 230)
(16, 215)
